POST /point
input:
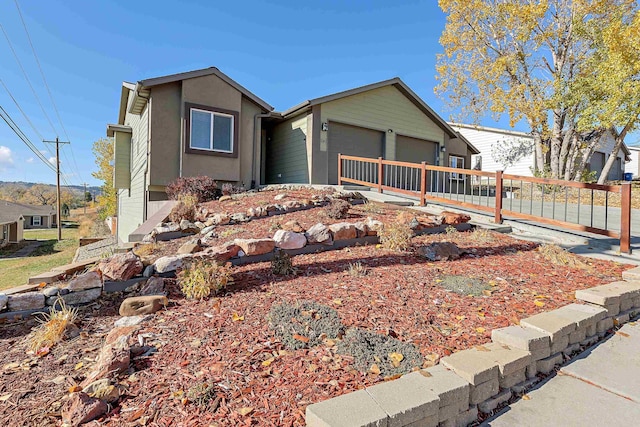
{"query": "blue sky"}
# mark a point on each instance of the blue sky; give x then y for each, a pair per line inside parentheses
(283, 51)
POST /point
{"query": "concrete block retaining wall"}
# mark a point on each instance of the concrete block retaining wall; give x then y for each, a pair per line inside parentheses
(480, 380)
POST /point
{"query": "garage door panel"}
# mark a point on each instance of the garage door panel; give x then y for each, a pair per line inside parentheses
(351, 141)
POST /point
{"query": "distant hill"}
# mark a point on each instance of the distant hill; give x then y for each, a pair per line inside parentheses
(94, 189)
(18, 191)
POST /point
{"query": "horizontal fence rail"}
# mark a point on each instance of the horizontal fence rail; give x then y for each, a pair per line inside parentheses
(599, 209)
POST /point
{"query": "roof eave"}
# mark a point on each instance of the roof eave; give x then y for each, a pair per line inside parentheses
(113, 128)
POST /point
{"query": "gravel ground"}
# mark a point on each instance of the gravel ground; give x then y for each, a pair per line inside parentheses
(97, 249)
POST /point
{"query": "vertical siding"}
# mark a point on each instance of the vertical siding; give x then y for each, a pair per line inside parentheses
(287, 155)
(484, 140)
(634, 165)
(122, 155)
(131, 201)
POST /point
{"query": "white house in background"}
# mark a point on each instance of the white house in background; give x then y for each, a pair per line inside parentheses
(633, 166)
(490, 141)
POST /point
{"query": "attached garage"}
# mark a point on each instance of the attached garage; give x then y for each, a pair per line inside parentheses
(352, 141)
(416, 150)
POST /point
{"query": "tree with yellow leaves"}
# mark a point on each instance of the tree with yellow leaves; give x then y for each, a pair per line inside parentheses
(556, 64)
(103, 149)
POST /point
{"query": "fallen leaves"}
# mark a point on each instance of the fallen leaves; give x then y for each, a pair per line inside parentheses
(245, 411)
(396, 359)
(237, 318)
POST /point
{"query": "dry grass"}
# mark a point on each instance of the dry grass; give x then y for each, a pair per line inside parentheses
(357, 269)
(556, 255)
(147, 249)
(481, 235)
(396, 236)
(53, 327)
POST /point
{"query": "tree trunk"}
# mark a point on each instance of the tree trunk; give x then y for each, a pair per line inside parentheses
(539, 149)
(556, 143)
(612, 159)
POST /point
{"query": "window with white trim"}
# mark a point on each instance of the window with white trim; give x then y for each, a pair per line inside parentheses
(456, 162)
(211, 131)
(36, 220)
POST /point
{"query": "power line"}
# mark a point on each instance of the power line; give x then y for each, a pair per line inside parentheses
(16, 129)
(44, 79)
(21, 110)
(35, 94)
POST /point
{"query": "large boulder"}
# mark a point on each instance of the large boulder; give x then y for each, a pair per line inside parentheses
(80, 408)
(343, 231)
(289, 239)
(373, 226)
(319, 234)
(113, 359)
(256, 246)
(362, 229)
(137, 306)
(170, 263)
(89, 280)
(4, 299)
(121, 267)
(189, 248)
(188, 227)
(441, 251)
(25, 301)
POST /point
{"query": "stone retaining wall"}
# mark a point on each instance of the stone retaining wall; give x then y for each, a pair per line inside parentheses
(483, 378)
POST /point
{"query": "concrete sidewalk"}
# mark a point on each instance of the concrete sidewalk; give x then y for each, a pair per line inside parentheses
(600, 388)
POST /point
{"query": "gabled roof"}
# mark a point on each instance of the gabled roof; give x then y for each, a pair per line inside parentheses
(398, 84)
(13, 211)
(9, 218)
(141, 90)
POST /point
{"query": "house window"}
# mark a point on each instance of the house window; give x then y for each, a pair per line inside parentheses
(211, 131)
(36, 220)
(456, 162)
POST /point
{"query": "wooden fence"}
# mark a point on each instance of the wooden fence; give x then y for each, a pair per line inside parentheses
(497, 192)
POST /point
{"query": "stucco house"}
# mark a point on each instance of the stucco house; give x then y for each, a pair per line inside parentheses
(34, 216)
(204, 123)
(487, 139)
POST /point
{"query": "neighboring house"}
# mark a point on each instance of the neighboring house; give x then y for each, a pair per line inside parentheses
(633, 166)
(34, 216)
(490, 140)
(10, 228)
(204, 123)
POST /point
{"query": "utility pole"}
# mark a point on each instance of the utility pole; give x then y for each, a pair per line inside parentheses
(58, 142)
(84, 197)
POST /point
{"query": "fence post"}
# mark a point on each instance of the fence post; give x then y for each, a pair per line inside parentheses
(380, 177)
(498, 214)
(339, 169)
(423, 184)
(625, 219)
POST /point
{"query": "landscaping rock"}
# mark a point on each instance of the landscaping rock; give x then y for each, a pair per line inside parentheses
(280, 196)
(121, 267)
(451, 218)
(130, 321)
(200, 224)
(89, 280)
(440, 251)
(293, 225)
(3, 301)
(219, 219)
(77, 297)
(257, 212)
(103, 390)
(374, 226)
(225, 198)
(256, 246)
(343, 231)
(148, 271)
(223, 252)
(50, 292)
(80, 408)
(240, 217)
(289, 239)
(361, 229)
(170, 263)
(319, 234)
(114, 357)
(154, 286)
(188, 227)
(190, 248)
(208, 229)
(135, 306)
(291, 205)
(25, 301)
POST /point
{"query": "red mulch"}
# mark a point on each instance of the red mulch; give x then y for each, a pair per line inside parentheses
(200, 341)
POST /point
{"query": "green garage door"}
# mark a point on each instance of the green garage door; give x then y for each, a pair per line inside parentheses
(352, 141)
(416, 150)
